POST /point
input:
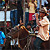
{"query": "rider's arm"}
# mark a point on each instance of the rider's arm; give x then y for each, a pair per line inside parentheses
(37, 21)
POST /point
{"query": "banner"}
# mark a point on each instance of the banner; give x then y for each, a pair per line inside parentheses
(2, 16)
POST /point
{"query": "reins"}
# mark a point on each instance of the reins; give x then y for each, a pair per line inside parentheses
(18, 34)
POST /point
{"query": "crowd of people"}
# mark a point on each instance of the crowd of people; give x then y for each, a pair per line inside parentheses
(37, 17)
(16, 10)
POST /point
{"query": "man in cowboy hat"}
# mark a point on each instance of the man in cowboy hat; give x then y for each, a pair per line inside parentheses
(43, 32)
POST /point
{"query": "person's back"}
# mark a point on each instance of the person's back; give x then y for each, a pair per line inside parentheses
(2, 40)
(2, 36)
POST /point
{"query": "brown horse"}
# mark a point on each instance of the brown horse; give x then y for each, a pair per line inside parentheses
(44, 46)
(22, 34)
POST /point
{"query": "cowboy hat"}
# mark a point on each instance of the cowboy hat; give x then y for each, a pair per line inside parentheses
(44, 10)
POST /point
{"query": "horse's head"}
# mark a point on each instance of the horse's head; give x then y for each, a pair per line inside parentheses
(16, 32)
(12, 32)
(20, 33)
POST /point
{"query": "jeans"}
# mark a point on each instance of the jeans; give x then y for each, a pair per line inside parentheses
(13, 15)
(37, 43)
(0, 48)
(38, 4)
(26, 18)
(20, 15)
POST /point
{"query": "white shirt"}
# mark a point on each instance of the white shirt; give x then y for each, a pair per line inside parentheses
(44, 29)
(26, 10)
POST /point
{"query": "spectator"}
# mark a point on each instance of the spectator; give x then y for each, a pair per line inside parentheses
(13, 13)
(26, 14)
(32, 6)
(19, 11)
(2, 39)
(29, 28)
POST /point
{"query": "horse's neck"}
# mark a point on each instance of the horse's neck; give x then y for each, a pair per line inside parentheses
(16, 33)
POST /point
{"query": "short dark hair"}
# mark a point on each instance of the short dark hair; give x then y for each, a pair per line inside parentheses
(29, 24)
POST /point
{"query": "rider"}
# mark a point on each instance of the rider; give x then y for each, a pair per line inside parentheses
(43, 32)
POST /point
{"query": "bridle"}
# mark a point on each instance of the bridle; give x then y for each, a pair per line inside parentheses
(11, 35)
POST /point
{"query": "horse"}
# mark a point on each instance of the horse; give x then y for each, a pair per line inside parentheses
(44, 46)
(23, 35)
